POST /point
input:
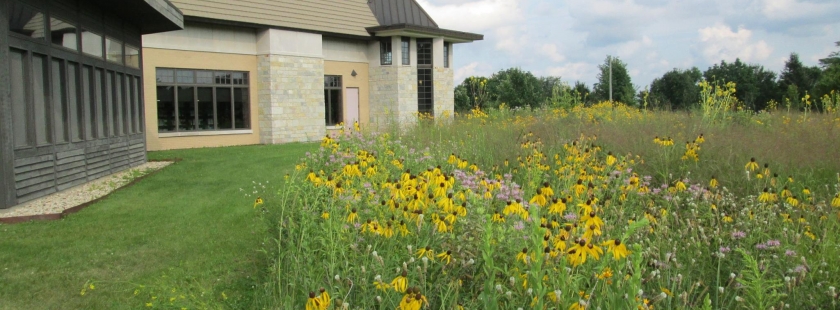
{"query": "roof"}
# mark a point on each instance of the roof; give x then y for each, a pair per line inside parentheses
(151, 16)
(393, 12)
(347, 17)
(409, 30)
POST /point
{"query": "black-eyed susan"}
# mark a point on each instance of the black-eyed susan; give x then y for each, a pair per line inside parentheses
(314, 302)
(836, 201)
(617, 248)
(425, 251)
(258, 201)
(325, 298)
(751, 165)
(378, 284)
(497, 217)
(713, 182)
(353, 216)
(523, 256)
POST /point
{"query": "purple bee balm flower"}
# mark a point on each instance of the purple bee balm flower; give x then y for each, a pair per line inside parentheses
(570, 216)
(790, 253)
(773, 243)
(761, 246)
(724, 249)
(519, 225)
(738, 235)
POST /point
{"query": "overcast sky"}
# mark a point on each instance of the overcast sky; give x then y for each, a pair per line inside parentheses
(571, 38)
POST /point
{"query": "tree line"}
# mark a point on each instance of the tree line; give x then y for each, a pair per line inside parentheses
(756, 87)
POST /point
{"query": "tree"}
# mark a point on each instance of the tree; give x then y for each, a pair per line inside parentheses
(830, 78)
(754, 85)
(796, 79)
(583, 91)
(676, 89)
(515, 88)
(622, 86)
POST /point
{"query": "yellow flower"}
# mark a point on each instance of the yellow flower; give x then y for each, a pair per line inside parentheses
(313, 303)
(523, 256)
(325, 215)
(497, 218)
(258, 202)
(836, 201)
(579, 305)
(400, 283)
(713, 183)
(751, 165)
(445, 256)
(353, 216)
(618, 249)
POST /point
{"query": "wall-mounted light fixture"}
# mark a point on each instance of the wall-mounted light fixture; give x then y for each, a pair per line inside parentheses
(353, 73)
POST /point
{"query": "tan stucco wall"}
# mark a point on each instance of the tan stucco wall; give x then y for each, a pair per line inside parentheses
(360, 80)
(154, 58)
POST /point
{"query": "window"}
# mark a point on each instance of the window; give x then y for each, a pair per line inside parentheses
(385, 51)
(201, 100)
(132, 56)
(445, 54)
(26, 21)
(424, 52)
(425, 99)
(332, 99)
(63, 34)
(17, 77)
(59, 104)
(91, 43)
(113, 50)
(406, 50)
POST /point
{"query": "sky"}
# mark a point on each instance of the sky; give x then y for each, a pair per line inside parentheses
(571, 38)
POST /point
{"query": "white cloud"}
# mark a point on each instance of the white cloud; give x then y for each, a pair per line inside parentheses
(510, 39)
(474, 16)
(572, 71)
(719, 42)
(472, 69)
(794, 9)
(550, 50)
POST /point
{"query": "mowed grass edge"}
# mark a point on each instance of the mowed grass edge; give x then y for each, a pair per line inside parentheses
(188, 227)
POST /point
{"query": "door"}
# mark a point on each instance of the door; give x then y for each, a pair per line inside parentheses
(351, 105)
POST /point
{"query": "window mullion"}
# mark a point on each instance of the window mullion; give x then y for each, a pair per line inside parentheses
(215, 110)
(195, 108)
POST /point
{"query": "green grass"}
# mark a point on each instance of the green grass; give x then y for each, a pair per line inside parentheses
(187, 227)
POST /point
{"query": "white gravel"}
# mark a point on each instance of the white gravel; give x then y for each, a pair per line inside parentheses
(71, 197)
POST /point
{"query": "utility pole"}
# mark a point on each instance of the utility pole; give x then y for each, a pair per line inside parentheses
(609, 58)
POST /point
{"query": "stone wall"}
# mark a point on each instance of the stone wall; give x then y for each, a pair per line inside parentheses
(407, 92)
(444, 92)
(291, 98)
(393, 94)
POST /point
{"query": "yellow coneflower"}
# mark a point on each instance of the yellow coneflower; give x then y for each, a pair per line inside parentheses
(325, 215)
(785, 192)
(618, 249)
(523, 256)
(680, 186)
(836, 201)
(765, 196)
(388, 230)
(713, 183)
(314, 302)
(400, 283)
(792, 201)
(579, 188)
(610, 159)
(325, 299)
(579, 305)
(498, 218)
(258, 202)
(427, 251)
(558, 206)
(539, 199)
(377, 282)
(751, 165)
(445, 256)
(353, 216)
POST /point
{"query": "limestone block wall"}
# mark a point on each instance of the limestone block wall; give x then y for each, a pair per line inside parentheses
(291, 98)
(444, 92)
(407, 93)
(383, 94)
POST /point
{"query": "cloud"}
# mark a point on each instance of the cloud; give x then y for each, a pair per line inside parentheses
(510, 39)
(473, 16)
(550, 50)
(472, 69)
(719, 42)
(572, 71)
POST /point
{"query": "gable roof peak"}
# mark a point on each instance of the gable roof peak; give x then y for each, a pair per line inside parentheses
(394, 12)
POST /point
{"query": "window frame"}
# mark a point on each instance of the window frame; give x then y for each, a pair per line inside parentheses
(446, 49)
(405, 45)
(328, 88)
(386, 52)
(218, 79)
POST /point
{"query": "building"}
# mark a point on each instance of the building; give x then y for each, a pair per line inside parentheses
(276, 71)
(70, 90)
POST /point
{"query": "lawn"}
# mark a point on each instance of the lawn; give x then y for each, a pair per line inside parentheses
(186, 232)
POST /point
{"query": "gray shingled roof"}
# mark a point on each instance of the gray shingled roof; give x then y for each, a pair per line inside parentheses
(394, 12)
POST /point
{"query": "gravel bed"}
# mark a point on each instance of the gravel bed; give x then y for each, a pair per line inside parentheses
(80, 194)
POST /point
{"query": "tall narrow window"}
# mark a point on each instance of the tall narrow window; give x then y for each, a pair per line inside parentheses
(206, 110)
(113, 50)
(446, 54)
(385, 51)
(405, 45)
(425, 95)
(91, 43)
(117, 105)
(132, 56)
(90, 102)
(59, 100)
(40, 93)
(20, 119)
(241, 113)
(108, 105)
(77, 107)
(138, 106)
(332, 99)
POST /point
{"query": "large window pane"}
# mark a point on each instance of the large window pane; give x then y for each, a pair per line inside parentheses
(406, 51)
(224, 108)
(63, 33)
(127, 104)
(205, 109)
(39, 99)
(385, 57)
(424, 51)
(90, 102)
(20, 121)
(113, 50)
(186, 77)
(240, 78)
(241, 113)
(59, 95)
(186, 108)
(25, 20)
(132, 56)
(77, 108)
(166, 108)
(91, 43)
(165, 75)
(333, 106)
(204, 77)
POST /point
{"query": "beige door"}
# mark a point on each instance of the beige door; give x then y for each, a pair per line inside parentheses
(351, 105)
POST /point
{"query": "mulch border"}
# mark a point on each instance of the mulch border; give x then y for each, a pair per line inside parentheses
(66, 212)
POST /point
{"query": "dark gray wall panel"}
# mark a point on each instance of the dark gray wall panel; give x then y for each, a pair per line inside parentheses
(7, 185)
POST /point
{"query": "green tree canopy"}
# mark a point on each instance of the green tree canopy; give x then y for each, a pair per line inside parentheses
(676, 89)
(516, 88)
(796, 79)
(622, 86)
(830, 78)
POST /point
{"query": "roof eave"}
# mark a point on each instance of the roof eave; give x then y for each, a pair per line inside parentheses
(151, 16)
(408, 30)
